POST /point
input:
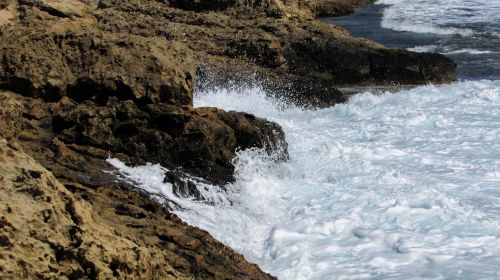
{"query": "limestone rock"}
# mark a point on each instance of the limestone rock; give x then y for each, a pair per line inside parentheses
(55, 230)
(293, 52)
(334, 8)
(91, 79)
(7, 11)
(202, 141)
(62, 8)
(95, 65)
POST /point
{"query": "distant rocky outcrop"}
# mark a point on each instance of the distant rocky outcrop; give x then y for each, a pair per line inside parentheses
(279, 42)
(335, 8)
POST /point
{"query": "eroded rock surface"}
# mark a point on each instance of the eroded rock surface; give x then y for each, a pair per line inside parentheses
(51, 229)
(95, 65)
(106, 93)
(81, 81)
(334, 8)
(203, 140)
(279, 41)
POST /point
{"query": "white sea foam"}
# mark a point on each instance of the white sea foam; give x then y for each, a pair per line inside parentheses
(469, 51)
(436, 48)
(392, 186)
(428, 48)
(444, 17)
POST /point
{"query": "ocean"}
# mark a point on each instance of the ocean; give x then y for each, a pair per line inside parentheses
(468, 31)
(388, 185)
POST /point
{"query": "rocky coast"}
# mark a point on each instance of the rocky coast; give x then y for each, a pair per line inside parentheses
(82, 81)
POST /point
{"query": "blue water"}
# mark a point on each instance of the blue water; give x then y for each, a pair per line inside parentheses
(466, 31)
(386, 186)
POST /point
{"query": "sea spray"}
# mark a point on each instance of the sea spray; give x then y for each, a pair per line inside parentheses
(388, 186)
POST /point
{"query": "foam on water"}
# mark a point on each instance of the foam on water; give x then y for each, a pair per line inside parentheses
(444, 17)
(445, 51)
(392, 186)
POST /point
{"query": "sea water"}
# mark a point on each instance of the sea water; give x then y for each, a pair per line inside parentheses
(468, 31)
(399, 185)
(383, 187)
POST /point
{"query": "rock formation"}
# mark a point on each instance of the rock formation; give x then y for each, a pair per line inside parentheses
(109, 93)
(51, 230)
(334, 8)
(202, 140)
(278, 41)
(83, 80)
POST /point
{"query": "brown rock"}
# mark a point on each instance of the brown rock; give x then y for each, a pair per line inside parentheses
(7, 11)
(334, 8)
(93, 79)
(95, 65)
(202, 141)
(293, 53)
(52, 230)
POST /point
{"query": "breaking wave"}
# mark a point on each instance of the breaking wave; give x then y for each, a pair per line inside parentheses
(388, 186)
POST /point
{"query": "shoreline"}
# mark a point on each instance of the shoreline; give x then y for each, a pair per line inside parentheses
(81, 82)
(351, 91)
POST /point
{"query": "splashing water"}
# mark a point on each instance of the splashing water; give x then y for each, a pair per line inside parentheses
(393, 186)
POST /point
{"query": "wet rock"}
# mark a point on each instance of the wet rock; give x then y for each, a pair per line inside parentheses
(182, 185)
(202, 141)
(53, 233)
(353, 62)
(294, 53)
(335, 8)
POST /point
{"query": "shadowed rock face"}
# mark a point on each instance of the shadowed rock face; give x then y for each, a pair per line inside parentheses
(127, 95)
(203, 5)
(334, 8)
(346, 63)
(202, 141)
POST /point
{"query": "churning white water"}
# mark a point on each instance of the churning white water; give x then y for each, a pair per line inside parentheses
(445, 17)
(467, 31)
(389, 186)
